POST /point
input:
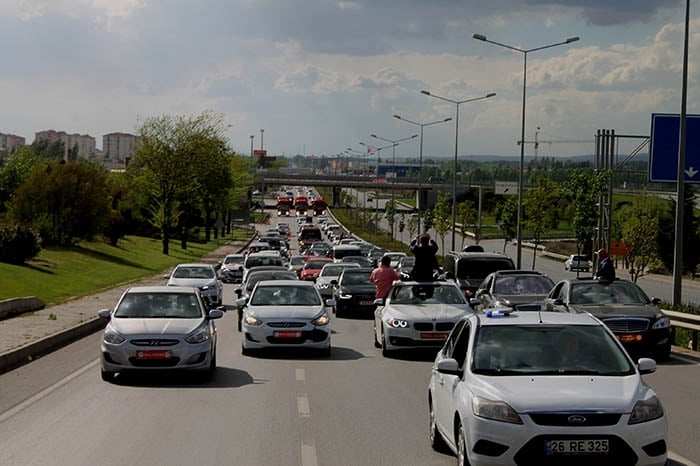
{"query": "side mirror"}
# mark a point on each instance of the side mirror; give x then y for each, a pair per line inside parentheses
(448, 366)
(241, 302)
(215, 314)
(104, 313)
(330, 302)
(559, 302)
(449, 275)
(166, 276)
(238, 292)
(646, 366)
(655, 301)
(379, 301)
(474, 302)
(334, 282)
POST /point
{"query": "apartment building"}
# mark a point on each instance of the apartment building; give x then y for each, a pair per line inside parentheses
(119, 147)
(86, 144)
(10, 141)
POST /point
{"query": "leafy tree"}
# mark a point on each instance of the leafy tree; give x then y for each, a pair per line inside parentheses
(467, 215)
(390, 212)
(428, 219)
(49, 150)
(539, 205)
(691, 234)
(412, 226)
(64, 202)
(402, 224)
(639, 233)
(442, 213)
(506, 214)
(584, 187)
(15, 170)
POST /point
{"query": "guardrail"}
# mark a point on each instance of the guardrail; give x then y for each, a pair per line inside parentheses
(685, 320)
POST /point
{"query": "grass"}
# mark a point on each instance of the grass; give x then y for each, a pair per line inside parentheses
(56, 275)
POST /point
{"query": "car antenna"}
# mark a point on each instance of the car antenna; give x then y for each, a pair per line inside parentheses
(539, 315)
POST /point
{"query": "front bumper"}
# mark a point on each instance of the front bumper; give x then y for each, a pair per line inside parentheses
(417, 335)
(130, 357)
(286, 334)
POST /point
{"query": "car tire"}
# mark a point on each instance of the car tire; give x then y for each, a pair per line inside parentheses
(107, 376)
(462, 458)
(337, 312)
(246, 351)
(240, 317)
(385, 352)
(374, 337)
(208, 374)
(437, 443)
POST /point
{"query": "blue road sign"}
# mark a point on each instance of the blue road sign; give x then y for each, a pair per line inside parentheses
(663, 150)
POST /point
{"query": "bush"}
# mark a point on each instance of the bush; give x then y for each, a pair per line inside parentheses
(18, 244)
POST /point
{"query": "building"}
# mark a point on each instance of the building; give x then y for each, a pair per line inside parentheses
(119, 147)
(86, 144)
(8, 142)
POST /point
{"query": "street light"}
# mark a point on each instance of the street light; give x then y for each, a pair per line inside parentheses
(393, 168)
(252, 136)
(483, 38)
(262, 131)
(420, 160)
(454, 176)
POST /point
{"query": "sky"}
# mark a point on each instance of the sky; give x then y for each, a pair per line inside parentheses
(321, 76)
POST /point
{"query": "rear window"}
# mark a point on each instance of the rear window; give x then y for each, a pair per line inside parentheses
(480, 267)
(339, 253)
(310, 234)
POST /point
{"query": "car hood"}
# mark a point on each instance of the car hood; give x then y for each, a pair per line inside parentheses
(358, 289)
(285, 312)
(161, 326)
(563, 393)
(431, 311)
(606, 311)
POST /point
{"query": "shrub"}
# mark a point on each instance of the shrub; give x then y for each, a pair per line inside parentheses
(18, 244)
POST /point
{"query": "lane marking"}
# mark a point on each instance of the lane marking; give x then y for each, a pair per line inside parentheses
(308, 454)
(300, 375)
(48, 390)
(303, 405)
(679, 459)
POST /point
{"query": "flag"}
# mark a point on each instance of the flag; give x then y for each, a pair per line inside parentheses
(369, 149)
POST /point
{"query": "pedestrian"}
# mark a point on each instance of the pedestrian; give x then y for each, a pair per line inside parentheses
(606, 268)
(383, 278)
(424, 249)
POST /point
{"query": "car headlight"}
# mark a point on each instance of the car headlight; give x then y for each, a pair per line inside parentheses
(646, 410)
(494, 410)
(252, 321)
(323, 319)
(199, 336)
(663, 322)
(396, 323)
(113, 338)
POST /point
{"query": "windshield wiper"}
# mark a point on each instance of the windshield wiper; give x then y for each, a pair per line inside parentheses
(498, 372)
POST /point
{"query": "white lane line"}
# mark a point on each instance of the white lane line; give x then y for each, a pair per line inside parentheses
(308, 454)
(301, 375)
(680, 460)
(45, 392)
(303, 405)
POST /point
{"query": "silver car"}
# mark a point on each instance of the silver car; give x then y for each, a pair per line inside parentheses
(284, 314)
(418, 315)
(200, 275)
(159, 328)
(331, 272)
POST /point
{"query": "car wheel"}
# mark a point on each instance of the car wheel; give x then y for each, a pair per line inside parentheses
(245, 351)
(240, 317)
(209, 373)
(462, 458)
(385, 351)
(437, 443)
(374, 337)
(107, 376)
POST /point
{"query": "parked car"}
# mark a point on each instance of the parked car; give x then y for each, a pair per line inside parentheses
(354, 293)
(518, 289)
(285, 314)
(543, 388)
(418, 315)
(577, 262)
(634, 318)
(200, 275)
(231, 268)
(159, 328)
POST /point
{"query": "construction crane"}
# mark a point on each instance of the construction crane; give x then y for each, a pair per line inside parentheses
(537, 142)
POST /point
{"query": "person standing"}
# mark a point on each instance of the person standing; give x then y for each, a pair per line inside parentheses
(424, 249)
(383, 278)
(606, 268)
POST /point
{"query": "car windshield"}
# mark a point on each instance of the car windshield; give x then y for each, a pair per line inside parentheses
(315, 265)
(194, 272)
(271, 295)
(479, 268)
(407, 261)
(501, 350)
(158, 305)
(258, 261)
(617, 292)
(233, 259)
(425, 294)
(297, 260)
(332, 270)
(355, 278)
(526, 284)
(271, 275)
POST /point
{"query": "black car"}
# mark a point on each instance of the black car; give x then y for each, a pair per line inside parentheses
(522, 290)
(354, 293)
(405, 267)
(469, 269)
(634, 318)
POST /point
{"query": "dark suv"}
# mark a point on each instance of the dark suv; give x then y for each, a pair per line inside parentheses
(469, 269)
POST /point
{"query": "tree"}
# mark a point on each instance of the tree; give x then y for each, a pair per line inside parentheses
(15, 170)
(639, 233)
(584, 189)
(507, 219)
(412, 226)
(443, 218)
(49, 150)
(539, 205)
(691, 234)
(467, 215)
(390, 213)
(428, 219)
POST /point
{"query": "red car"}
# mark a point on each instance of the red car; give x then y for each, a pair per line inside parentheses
(313, 267)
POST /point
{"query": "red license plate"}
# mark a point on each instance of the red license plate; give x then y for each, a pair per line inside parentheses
(154, 354)
(629, 338)
(287, 334)
(433, 336)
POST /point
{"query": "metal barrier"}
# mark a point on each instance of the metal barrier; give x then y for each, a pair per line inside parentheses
(685, 320)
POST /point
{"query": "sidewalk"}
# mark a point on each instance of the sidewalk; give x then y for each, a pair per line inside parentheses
(34, 334)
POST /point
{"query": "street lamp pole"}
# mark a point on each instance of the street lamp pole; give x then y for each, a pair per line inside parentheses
(252, 136)
(262, 131)
(454, 176)
(483, 38)
(420, 161)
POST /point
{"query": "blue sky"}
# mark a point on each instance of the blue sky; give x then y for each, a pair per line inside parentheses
(320, 76)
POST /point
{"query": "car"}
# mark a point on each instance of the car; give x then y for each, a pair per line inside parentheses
(375, 254)
(364, 246)
(577, 262)
(543, 388)
(285, 314)
(257, 274)
(328, 273)
(469, 269)
(339, 251)
(318, 249)
(354, 293)
(312, 268)
(258, 259)
(519, 289)
(622, 305)
(418, 315)
(257, 246)
(394, 257)
(155, 328)
(405, 267)
(296, 263)
(362, 260)
(230, 271)
(200, 275)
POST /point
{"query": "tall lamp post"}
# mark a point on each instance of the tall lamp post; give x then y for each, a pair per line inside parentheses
(420, 160)
(394, 143)
(483, 38)
(454, 176)
(262, 131)
(252, 136)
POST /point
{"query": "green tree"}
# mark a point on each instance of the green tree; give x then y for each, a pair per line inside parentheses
(466, 216)
(428, 220)
(639, 232)
(506, 214)
(49, 150)
(539, 206)
(390, 213)
(15, 170)
(412, 226)
(691, 234)
(442, 213)
(583, 188)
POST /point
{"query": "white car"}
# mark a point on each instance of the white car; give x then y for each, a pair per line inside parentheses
(285, 314)
(330, 272)
(576, 262)
(418, 315)
(199, 275)
(543, 388)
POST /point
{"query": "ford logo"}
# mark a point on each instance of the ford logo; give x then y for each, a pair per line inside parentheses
(576, 419)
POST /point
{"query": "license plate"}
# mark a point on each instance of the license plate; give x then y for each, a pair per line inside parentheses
(366, 303)
(629, 338)
(433, 336)
(577, 447)
(287, 334)
(154, 354)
